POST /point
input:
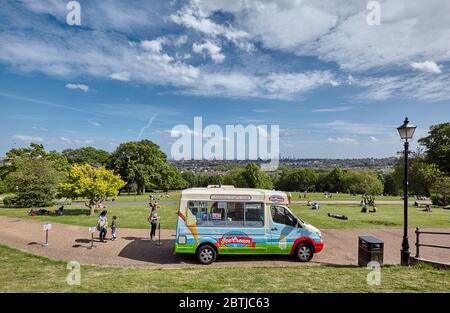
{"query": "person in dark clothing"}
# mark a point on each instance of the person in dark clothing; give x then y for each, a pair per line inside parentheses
(102, 225)
(153, 219)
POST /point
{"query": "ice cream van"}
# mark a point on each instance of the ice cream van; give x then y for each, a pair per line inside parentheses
(226, 220)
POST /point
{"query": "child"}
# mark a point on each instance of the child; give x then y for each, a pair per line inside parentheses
(113, 228)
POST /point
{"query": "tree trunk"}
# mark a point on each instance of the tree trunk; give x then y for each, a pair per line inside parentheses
(92, 208)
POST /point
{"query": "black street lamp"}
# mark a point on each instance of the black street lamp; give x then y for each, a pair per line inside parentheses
(406, 132)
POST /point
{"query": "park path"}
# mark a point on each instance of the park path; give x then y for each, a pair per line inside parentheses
(133, 248)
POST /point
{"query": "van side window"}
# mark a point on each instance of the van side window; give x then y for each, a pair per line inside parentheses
(254, 214)
(282, 216)
(198, 211)
(235, 214)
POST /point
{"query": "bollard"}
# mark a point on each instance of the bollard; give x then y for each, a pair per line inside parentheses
(159, 243)
(46, 227)
(92, 231)
(417, 242)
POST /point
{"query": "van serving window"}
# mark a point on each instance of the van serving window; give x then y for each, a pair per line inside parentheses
(226, 214)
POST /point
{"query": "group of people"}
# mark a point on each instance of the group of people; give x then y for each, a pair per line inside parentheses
(102, 223)
(102, 226)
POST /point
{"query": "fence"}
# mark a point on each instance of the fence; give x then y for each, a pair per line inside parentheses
(418, 244)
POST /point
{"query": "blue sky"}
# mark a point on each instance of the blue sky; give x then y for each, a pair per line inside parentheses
(337, 86)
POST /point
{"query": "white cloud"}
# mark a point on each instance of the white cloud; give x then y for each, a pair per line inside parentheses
(81, 87)
(335, 109)
(26, 138)
(65, 139)
(374, 138)
(347, 127)
(155, 45)
(96, 124)
(427, 66)
(210, 49)
(42, 129)
(345, 141)
(122, 76)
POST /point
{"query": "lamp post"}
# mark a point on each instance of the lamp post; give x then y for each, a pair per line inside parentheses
(406, 132)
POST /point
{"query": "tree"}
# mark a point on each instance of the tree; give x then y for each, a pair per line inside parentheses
(142, 163)
(89, 182)
(251, 176)
(390, 184)
(89, 155)
(35, 182)
(171, 178)
(300, 179)
(35, 151)
(331, 181)
(440, 192)
(421, 174)
(362, 182)
(437, 145)
(191, 179)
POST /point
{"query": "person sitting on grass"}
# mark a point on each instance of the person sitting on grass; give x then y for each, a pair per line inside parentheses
(428, 208)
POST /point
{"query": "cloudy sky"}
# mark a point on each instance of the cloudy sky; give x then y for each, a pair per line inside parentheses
(337, 86)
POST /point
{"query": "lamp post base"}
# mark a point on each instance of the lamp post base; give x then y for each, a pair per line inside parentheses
(404, 257)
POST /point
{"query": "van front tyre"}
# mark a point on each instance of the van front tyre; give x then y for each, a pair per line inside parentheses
(304, 252)
(206, 254)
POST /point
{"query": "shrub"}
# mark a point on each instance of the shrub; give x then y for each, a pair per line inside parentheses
(10, 201)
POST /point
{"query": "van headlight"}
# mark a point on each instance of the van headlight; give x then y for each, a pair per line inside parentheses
(319, 234)
(182, 240)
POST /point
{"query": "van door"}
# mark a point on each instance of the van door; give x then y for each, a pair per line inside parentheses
(282, 229)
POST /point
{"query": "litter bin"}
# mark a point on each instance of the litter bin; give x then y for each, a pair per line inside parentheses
(370, 249)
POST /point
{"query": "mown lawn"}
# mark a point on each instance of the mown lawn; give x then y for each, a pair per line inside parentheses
(135, 216)
(24, 272)
(389, 215)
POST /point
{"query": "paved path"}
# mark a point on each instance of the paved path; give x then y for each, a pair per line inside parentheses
(132, 248)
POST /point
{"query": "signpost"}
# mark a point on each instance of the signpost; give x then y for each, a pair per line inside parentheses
(92, 232)
(46, 228)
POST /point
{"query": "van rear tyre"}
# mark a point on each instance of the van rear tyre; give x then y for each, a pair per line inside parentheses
(304, 252)
(206, 254)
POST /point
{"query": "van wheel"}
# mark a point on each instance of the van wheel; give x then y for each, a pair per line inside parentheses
(206, 254)
(304, 252)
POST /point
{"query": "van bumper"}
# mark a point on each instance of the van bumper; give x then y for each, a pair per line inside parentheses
(318, 246)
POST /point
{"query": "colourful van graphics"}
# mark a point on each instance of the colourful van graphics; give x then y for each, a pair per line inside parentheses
(276, 198)
(227, 220)
(236, 240)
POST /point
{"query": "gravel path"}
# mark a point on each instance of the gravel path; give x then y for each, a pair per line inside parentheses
(133, 248)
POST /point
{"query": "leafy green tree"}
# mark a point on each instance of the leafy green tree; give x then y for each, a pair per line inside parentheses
(35, 182)
(171, 178)
(95, 184)
(89, 155)
(437, 145)
(251, 176)
(191, 179)
(300, 179)
(331, 181)
(421, 174)
(35, 151)
(440, 192)
(142, 163)
(390, 184)
(362, 182)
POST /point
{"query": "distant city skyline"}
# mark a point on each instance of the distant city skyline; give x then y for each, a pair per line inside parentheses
(337, 86)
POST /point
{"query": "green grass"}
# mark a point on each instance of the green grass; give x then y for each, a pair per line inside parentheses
(388, 215)
(24, 272)
(128, 216)
(135, 216)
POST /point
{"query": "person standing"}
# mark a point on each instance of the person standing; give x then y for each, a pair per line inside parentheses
(113, 228)
(102, 225)
(153, 219)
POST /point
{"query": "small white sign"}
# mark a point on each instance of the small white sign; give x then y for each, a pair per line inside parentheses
(47, 226)
(92, 230)
(282, 244)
